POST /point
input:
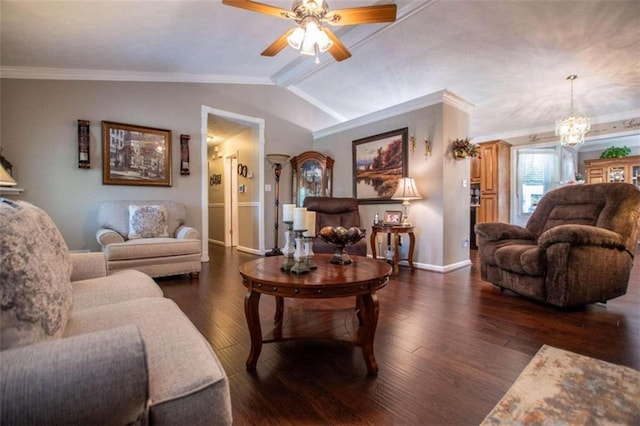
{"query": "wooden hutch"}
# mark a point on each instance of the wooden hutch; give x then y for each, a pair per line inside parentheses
(625, 169)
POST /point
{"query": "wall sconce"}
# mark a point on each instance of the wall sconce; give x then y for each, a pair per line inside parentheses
(427, 148)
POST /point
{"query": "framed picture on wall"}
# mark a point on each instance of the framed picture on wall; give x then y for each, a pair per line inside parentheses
(135, 155)
(378, 163)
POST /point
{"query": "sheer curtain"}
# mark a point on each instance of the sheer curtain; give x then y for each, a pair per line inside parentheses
(538, 170)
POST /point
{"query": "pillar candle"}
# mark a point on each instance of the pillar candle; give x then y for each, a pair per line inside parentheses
(299, 218)
(311, 224)
(287, 212)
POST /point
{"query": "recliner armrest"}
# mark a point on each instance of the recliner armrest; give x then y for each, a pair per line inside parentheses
(581, 235)
(496, 231)
(187, 232)
(94, 378)
(107, 236)
(88, 265)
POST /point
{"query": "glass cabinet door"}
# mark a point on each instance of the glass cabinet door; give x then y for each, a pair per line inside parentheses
(311, 176)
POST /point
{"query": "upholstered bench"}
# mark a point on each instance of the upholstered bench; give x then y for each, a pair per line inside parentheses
(150, 236)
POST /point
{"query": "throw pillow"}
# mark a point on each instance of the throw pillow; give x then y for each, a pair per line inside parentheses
(147, 221)
(35, 276)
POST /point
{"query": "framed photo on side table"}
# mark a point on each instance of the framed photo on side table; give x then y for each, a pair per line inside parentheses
(392, 217)
(135, 155)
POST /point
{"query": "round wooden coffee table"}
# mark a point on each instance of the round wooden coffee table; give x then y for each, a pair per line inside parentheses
(361, 279)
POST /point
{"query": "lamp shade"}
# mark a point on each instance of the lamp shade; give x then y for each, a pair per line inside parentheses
(406, 190)
(5, 178)
(277, 158)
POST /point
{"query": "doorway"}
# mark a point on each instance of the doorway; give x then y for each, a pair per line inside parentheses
(233, 217)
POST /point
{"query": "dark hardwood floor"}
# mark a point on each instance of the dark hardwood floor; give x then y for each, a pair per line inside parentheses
(448, 346)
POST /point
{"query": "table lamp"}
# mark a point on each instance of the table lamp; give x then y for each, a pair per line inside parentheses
(405, 191)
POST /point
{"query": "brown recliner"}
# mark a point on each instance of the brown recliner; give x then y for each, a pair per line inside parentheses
(336, 212)
(576, 248)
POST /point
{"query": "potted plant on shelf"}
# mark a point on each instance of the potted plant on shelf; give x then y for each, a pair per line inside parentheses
(615, 152)
(463, 148)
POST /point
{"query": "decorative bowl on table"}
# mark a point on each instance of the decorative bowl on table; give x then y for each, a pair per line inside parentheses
(340, 237)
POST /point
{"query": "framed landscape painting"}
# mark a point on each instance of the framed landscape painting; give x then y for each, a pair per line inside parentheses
(378, 163)
(135, 155)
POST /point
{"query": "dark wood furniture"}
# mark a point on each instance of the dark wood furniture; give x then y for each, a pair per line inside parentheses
(361, 279)
(394, 230)
(312, 176)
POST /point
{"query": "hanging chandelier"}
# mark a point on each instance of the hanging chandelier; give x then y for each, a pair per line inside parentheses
(572, 129)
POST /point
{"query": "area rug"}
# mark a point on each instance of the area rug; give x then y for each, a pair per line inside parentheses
(563, 388)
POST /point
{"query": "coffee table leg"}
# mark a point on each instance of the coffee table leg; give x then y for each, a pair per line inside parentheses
(279, 310)
(251, 312)
(369, 313)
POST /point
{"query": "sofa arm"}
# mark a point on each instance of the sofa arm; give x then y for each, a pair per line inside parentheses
(187, 232)
(94, 378)
(108, 236)
(88, 265)
(581, 235)
(496, 231)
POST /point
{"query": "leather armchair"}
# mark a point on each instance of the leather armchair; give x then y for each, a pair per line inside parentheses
(332, 211)
(577, 247)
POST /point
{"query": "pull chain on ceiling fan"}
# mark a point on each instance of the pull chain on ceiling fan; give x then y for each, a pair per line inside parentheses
(310, 37)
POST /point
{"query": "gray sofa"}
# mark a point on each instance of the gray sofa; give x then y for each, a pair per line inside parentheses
(170, 249)
(80, 347)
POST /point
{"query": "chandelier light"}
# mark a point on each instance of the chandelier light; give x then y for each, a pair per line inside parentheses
(572, 129)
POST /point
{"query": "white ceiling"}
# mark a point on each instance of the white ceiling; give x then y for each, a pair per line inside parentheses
(508, 58)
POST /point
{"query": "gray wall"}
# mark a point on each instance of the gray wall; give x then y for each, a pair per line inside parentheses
(39, 136)
(441, 218)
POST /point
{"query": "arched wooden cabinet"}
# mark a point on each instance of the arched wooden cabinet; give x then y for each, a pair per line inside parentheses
(312, 174)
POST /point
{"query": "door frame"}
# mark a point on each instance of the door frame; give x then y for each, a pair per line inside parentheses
(204, 196)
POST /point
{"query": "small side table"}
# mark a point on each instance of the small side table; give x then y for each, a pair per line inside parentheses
(396, 230)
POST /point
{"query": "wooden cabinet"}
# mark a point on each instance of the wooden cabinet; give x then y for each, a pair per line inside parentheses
(626, 169)
(475, 171)
(495, 168)
(312, 174)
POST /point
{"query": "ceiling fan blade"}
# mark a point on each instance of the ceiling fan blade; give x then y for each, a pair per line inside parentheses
(260, 8)
(278, 45)
(362, 15)
(337, 49)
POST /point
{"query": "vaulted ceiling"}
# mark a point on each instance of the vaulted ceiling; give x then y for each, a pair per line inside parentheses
(508, 58)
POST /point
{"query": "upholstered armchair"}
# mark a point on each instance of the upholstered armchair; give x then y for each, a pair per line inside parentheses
(150, 236)
(576, 248)
(332, 211)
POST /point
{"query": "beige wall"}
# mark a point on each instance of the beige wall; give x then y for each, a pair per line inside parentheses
(441, 218)
(39, 136)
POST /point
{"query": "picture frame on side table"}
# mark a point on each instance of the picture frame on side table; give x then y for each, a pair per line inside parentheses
(378, 164)
(392, 217)
(135, 155)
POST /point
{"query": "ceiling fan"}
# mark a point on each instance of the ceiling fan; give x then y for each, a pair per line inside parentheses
(310, 37)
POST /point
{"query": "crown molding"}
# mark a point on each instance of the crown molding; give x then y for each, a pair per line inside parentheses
(625, 123)
(36, 73)
(443, 96)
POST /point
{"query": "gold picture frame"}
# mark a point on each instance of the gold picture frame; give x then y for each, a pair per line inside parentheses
(135, 155)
